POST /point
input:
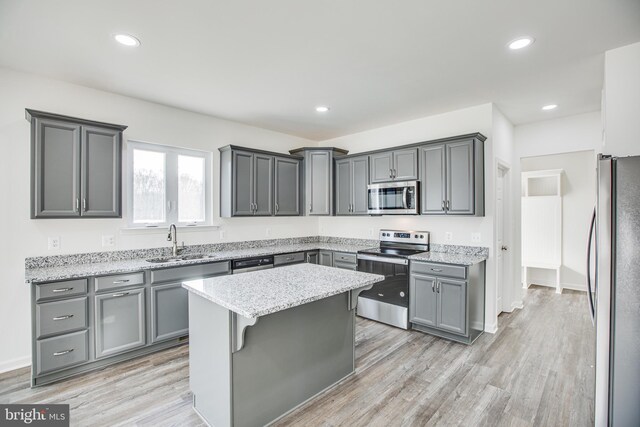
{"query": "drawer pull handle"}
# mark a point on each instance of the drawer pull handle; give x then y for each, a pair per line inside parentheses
(62, 290)
(118, 282)
(290, 259)
(436, 269)
(380, 295)
(62, 353)
(121, 294)
(65, 317)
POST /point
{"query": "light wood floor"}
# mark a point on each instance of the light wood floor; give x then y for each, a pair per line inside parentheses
(537, 370)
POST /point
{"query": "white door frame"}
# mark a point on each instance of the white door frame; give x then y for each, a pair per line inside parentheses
(507, 256)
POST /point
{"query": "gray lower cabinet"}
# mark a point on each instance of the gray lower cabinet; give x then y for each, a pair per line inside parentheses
(452, 178)
(352, 178)
(258, 183)
(75, 167)
(326, 258)
(120, 323)
(344, 260)
(287, 259)
(169, 312)
(447, 300)
(312, 257)
(394, 165)
(287, 186)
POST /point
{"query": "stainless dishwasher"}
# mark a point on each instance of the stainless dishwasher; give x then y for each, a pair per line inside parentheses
(251, 264)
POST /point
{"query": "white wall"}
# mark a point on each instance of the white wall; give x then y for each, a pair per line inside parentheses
(578, 199)
(581, 132)
(148, 122)
(622, 101)
(468, 120)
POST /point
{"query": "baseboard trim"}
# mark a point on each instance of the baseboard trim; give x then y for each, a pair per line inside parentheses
(574, 287)
(491, 329)
(517, 304)
(570, 286)
(12, 365)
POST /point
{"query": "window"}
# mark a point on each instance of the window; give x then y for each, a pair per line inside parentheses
(168, 185)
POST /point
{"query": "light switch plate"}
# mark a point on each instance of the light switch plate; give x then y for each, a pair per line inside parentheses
(475, 237)
(267, 232)
(53, 243)
(223, 234)
(448, 236)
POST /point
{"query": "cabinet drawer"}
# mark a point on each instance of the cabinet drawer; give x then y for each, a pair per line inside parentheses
(189, 272)
(344, 257)
(439, 269)
(345, 265)
(61, 289)
(288, 258)
(106, 283)
(61, 316)
(61, 352)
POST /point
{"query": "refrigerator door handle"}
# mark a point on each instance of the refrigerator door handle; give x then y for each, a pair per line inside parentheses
(592, 311)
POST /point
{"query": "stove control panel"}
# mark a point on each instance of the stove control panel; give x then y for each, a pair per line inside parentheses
(405, 236)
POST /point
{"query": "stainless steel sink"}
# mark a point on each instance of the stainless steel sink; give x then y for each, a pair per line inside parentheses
(164, 259)
(161, 260)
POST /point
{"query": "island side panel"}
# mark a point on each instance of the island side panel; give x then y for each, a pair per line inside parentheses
(290, 356)
(210, 360)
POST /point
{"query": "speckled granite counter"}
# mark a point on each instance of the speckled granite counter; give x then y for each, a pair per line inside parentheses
(264, 292)
(63, 267)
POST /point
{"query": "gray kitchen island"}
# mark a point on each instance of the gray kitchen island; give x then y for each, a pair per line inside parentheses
(265, 342)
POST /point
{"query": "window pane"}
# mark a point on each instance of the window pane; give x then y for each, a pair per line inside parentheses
(191, 193)
(148, 186)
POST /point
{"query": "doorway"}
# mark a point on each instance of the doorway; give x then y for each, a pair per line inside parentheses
(503, 221)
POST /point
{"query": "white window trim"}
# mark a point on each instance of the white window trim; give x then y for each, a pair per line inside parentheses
(171, 184)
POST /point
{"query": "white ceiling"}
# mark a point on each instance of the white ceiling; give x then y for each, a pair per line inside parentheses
(375, 62)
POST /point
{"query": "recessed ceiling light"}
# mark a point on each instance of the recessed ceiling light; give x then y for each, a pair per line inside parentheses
(322, 108)
(127, 40)
(520, 43)
(549, 107)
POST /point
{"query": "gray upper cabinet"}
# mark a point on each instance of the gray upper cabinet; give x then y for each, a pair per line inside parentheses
(396, 165)
(263, 184)
(258, 183)
(433, 180)
(75, 167)
(101, 180)
(318, 183)
(452, 178)
(120, 323)
(287, 186)
(318, 192)
(352, 178)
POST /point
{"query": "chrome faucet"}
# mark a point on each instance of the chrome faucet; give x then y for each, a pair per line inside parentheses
(173, 238)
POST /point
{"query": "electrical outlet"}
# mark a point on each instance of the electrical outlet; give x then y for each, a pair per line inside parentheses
(223, 234)
(448, 236)
(267, 232)
(475, 237)
(108, 241)
(53, 243)
(371, 232)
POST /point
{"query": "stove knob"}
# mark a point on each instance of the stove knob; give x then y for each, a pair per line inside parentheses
(422, 236)
(416, 236)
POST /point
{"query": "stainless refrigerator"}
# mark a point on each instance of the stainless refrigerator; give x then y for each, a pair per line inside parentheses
(614, 291)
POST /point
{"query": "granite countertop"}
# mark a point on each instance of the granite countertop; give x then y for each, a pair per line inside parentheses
(263, 292)
(77, 270)
(449, 258)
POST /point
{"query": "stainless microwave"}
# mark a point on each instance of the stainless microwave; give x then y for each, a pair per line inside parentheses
(393, 198)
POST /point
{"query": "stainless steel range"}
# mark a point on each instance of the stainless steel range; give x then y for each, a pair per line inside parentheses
(388, 301)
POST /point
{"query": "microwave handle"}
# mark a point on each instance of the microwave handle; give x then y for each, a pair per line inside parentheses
(405, 193)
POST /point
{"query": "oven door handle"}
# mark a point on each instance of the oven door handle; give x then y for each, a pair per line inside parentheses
(405, 202)
(386, 260)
